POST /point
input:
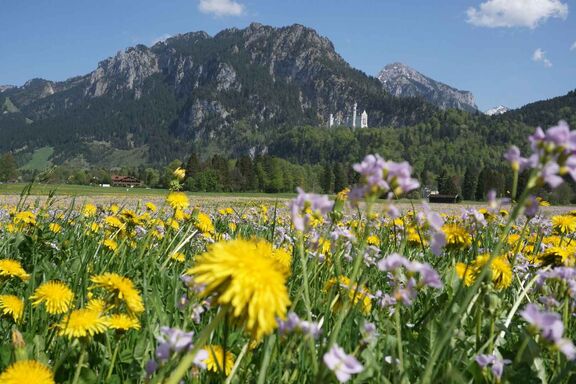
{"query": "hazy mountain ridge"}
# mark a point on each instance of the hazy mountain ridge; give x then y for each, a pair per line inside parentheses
(402, 81)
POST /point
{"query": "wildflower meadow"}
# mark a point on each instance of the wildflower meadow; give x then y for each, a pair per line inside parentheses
(320, 290)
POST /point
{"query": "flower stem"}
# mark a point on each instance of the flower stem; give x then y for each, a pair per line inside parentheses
(114, 355)
(80, 364)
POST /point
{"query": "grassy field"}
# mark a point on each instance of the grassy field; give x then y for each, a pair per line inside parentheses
(84, 190)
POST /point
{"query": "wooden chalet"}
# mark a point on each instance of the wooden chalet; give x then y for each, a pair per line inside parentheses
(126, 181)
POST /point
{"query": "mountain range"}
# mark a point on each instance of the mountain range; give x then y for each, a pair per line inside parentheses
(236, 93)
(402, 81)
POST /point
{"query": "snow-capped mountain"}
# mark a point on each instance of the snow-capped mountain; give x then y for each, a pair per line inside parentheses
(497, 110)
(400, 80)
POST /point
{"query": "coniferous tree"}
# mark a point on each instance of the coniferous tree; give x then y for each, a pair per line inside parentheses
(470, 184)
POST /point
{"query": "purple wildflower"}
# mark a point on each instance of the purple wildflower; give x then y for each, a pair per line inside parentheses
(293, 324)
(343, 365)
(496, 363)
(317, 204)
(550, 327)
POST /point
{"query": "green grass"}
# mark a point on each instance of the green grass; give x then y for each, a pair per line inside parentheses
(40, 159)
(86, 190)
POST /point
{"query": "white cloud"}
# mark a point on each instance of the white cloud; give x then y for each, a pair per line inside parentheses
(221, 7)
(573, 47)
(516, 13)
(540, 56)
(159, 39)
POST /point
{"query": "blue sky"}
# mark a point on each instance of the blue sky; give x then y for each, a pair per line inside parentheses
(509, 52)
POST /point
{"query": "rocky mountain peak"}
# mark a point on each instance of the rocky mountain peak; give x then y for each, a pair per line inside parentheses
(126, 71)
(497, 110)
(6, 87)
(403, 81)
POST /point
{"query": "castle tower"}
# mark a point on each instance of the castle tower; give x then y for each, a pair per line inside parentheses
(354, 115)
(364, 120)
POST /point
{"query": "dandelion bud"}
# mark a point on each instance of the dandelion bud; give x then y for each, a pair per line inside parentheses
(179, 173)
(19, 346)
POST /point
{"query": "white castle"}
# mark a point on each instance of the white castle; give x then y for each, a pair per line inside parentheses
(349, 121)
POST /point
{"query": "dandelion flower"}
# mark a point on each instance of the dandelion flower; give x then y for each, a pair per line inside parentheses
(25, 217)
(151, 207)
(359, 295)
(13, 306)
(179, 173)
(500, 271)
(97, 305)
(81, 323)
(215, 360)
(456, 236)
(110, 244)
(55, 227)
(248, 280)
(27, 371)
(466, 273)
(204, 223)
(178, 256)
(177, 200)
(13, 268)
(56, 296)
(89, 210)
(113, 222)
(564, 224)
(122, 287)
(123, 322)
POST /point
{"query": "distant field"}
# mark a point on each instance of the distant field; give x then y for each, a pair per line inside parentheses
(10, 194)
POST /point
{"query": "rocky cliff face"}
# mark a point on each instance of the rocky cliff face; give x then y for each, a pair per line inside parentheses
(402, 81)
(194, 90)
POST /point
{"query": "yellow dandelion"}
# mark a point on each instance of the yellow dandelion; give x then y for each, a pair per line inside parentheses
(12, 306)
(500, 270)
(82, 323)
(204, 223)
(358, 295)
(564, 224)
(122, 287)
(246, 280)
(324, 246)
(178, 256)
(343, 194)
(25, 217)
(55, 227)
(27, 371)
(123, 322)
(97, 305)
(110, 244)
(177, 200)
(13, 268)
(179, 173)
(114, 208)
(151, 207)
(466, 273)
(89, 210)
(113, 222)
(179, 215)
(373, 240)
(55, 295)
(215, 361)
(456, 236)
(232, 227)
(558, 256)
(414, 238)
